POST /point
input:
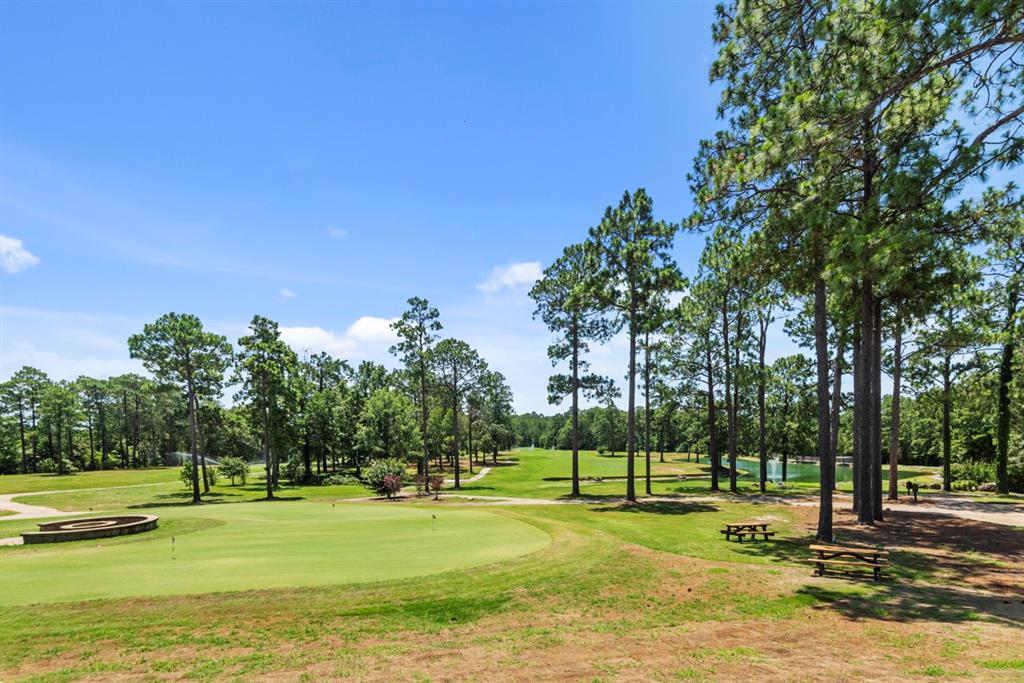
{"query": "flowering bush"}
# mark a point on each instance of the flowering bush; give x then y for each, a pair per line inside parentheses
(392, 484)
(436, 482)
(385, 477)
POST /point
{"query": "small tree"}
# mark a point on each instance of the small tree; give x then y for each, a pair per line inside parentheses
(436, 482)
(234, 468)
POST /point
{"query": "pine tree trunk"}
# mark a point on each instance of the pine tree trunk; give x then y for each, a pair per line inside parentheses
(631, 416)
(762, 442)
(21, 433)
(876, 413)
(837, 399)
(713, 455)
(455, 436)
(575, 411)
(92, 447)
(947, 400)
(60, 450)
(647, 411)
(424, 417)
(103, 437)
(267, 456)
(729, 408)
(124, 429)
(135, 432)
(863, 407)
(1005, 380)
(193, 438)
(894, 427)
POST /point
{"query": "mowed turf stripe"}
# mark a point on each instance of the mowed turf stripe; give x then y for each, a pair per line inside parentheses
(265, 545)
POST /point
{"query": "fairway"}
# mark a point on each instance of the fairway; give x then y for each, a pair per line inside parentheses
(265, 545)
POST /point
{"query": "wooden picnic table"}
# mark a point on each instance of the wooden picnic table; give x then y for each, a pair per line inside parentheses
(743, 529)
(828, 556)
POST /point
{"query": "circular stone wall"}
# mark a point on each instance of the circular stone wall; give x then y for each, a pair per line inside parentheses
(90, 527)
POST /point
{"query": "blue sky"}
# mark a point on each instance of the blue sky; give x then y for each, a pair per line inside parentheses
(321, 163)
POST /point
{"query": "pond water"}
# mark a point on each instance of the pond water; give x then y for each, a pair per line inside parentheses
(794, 471)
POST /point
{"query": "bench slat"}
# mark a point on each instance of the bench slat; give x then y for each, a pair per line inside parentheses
(855, 563)
(847, 549)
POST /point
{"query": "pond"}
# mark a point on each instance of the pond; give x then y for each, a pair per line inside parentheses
(802, 472)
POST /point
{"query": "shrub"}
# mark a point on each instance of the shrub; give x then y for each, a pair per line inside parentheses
(378, 473)
(185, 474)
(49, 466)
(972, 473)
(337, 479)
(293, 470)
(392, 485)
(234, 468)
(436, 482)
(1015, 472)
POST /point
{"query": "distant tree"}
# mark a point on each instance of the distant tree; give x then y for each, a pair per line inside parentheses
(387, 425)
(1004, 234)
(566, 307)
(21, 396)
(609, 429)
(633, 268)
(458, 367)
(177, 350)
(496, 417)
(416, 330)
(59, 413)
(265, 365)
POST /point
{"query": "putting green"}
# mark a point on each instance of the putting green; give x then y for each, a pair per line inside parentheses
(247, 546)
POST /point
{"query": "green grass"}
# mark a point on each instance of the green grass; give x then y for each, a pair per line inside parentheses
(264, 545)
(304, 590)
(26, 483)
(542, 473)
(175, 494)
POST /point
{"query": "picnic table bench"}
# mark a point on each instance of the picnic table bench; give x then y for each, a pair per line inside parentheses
(742, 530)
(846, 557)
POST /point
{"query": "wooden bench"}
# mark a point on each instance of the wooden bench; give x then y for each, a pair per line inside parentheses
(743, 530)
(847, 557)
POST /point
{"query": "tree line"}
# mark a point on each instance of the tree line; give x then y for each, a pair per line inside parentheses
(841, 190)
(314, 416)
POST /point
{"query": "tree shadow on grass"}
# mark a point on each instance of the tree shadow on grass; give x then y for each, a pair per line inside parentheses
(214, 498)
(660, 507)
(895, 601)
(623, 477)
(467, 489)
(903, 566)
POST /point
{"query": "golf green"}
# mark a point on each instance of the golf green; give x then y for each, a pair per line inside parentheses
(247, 546)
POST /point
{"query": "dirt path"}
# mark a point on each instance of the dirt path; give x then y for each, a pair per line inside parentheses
(476, 477)
(1006, 514)
(25, 511)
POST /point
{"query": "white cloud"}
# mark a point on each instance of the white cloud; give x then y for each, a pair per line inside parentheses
(14, 257)
(512, 275)
(288, 294)
(367, 338)
(337, 233)
(65, 344)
